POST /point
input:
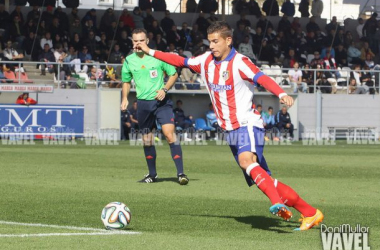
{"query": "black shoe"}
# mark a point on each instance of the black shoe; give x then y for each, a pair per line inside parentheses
(183, 179)
(148, 179)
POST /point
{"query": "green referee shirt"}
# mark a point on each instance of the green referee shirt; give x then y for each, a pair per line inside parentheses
(148, 74)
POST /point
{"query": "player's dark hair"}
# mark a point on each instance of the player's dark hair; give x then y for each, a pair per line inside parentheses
(140, 30)
(220, 27)
(270, 108)
(259, 105)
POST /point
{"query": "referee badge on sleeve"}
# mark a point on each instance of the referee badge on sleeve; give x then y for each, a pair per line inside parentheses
(153, 73)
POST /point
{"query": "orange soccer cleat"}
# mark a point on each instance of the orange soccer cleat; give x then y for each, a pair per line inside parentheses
(309, 222)
(281, 211)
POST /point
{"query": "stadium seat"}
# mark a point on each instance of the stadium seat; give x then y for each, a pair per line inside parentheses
(200, 125)
(23, 77)
(10, 75)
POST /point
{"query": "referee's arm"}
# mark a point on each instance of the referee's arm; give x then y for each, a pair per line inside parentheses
(124, 95)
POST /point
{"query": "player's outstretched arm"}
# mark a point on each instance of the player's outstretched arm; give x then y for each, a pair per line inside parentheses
(173, 59)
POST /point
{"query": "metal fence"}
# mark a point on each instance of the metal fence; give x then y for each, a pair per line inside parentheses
(340, 84)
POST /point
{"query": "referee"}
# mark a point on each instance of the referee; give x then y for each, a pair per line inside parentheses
(152, 103)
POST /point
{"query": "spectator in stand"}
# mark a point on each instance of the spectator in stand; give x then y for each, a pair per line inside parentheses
(34, 14)
(47, 16)
(186, 76)
(284, 123)
(167, 23)
(322, 82)
(245, 48)
(90, 15)
(17, 12)
(316, 60)
(96, 75)
(156, 29)
(213, 121)
(348, 39)
(196, 35)
(333, 25)
(264, 23)
(73, 15)
(312, 25)
(239, 34)
(110, 77)
(340, 38)
(208, 6)
(106, 20)
(148, 19)
(369, 61)
(182, 121)
(42, 29)
(269, 35)
(138, 18)
(354, 88)
(311, 43)
(304, 8)
(63, 19)
(257, 39)
(202, 24)
(158, 5)
(126, 43)
(270, 123)
(284, 24)
(266, 52)
(243, 19)
(116, 55)
(76, 42)
(341, 56)
(12, 55)
(46, 57)
(84, 57)
(173, 37)
(365, 51)
(103, 48)
(369, 32)
(271, 8)
(5, 18)
(145, 4)
(24, 99)
(76, 28)
(185, 37)
(191, 6)
(89, 27)
(151, 42)
(30, 26)
(92, 46)
(60, 56)
(17, 31)
(316, 8)
(212, 18)
(120, 29)
(308, 77)
(31, 46)
(295, 79)
(366, 80)
(134, 122)
(353, 54)
(254, 8)
(290, 59)
(359, 28)
(127, 19)
(288, 8)
(161, 45)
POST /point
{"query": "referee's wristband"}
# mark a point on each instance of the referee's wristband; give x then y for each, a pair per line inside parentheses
(151, 52)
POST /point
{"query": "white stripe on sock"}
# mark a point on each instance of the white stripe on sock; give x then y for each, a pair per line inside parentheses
(250, 167)
(275, 182)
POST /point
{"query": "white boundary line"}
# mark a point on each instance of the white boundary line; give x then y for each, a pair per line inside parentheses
(93, 231)
(66, 234)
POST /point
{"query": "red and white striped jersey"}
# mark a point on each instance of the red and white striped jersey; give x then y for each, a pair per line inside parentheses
(230, 85)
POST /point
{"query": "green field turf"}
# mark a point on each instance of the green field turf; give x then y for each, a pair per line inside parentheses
(69, 186)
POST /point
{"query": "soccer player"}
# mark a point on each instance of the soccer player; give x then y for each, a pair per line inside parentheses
(230, 79)
(152, 102)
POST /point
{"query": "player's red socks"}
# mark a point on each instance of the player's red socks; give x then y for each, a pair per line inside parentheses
(264, 182)
(292, 199)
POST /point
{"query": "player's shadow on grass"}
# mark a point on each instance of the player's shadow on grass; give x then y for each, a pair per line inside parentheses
(262, 222)
(172, 179)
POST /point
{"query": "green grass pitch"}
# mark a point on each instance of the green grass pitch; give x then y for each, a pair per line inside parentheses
(69, 185)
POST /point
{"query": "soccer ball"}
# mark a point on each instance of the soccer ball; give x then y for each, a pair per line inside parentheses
(116, 215)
